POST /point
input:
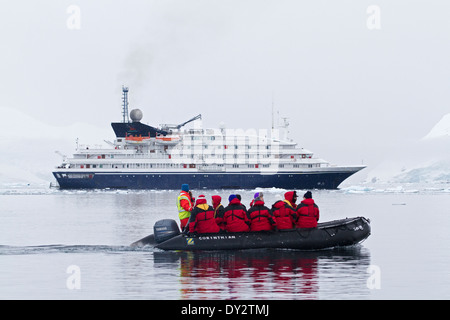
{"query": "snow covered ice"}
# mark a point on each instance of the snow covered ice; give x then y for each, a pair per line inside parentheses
(28, 150)
(423, 161)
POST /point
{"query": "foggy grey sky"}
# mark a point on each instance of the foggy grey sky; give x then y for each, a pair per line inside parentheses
(351, 93)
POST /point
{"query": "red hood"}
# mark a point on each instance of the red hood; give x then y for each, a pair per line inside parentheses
(201, 200)
(308, 202)
(279, 204)
(235, 201)
(258, 203)
(289, 196)
(216, 201)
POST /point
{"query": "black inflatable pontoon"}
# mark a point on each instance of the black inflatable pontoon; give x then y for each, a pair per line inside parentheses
(338, 233)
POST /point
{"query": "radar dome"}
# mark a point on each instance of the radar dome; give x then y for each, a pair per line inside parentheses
(136, 115)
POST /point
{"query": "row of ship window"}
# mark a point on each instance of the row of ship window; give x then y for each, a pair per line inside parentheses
(91, 176)
(181, 154)
(175, 165)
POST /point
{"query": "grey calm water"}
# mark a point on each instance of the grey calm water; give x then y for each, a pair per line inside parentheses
(75, 245)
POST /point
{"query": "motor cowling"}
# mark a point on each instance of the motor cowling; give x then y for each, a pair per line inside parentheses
(165, 229)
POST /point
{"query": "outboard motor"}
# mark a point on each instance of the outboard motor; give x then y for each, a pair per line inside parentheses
(165, 229)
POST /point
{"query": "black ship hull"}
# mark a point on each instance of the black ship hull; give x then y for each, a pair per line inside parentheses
(202, 180)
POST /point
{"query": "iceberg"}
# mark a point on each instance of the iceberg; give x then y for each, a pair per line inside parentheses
(27, 146)
(424, 161)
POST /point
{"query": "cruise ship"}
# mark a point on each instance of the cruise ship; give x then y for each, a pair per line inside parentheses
(165, 157)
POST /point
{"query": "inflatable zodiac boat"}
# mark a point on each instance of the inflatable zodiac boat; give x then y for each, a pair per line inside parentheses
(338, 233)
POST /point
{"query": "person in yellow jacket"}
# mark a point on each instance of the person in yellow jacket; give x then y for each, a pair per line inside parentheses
(184, 204)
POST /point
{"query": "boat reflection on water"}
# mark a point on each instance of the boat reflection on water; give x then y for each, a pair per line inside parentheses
(270, 273)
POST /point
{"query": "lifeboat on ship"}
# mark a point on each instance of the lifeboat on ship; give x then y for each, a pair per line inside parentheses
(327, 235)
(137, 139)
(167, 140)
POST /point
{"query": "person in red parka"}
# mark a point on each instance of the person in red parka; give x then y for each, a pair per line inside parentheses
(284, 211)
(261, 218)
(202, 218)
(235, 216)
(308, 212)
(218, 211)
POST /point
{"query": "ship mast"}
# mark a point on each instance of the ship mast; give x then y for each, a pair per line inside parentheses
(126, 118)
(273, 125)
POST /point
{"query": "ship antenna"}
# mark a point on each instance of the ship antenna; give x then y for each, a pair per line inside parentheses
(126, 118)
(272, 113)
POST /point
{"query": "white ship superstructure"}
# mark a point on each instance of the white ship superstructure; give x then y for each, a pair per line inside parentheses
(146, 157)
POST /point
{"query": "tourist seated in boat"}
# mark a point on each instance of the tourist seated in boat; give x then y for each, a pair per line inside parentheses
(219, 210)
(235, 216)
(284, 211)
(202, 218)
(307, 212)
(240, 199)
(261, 218)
